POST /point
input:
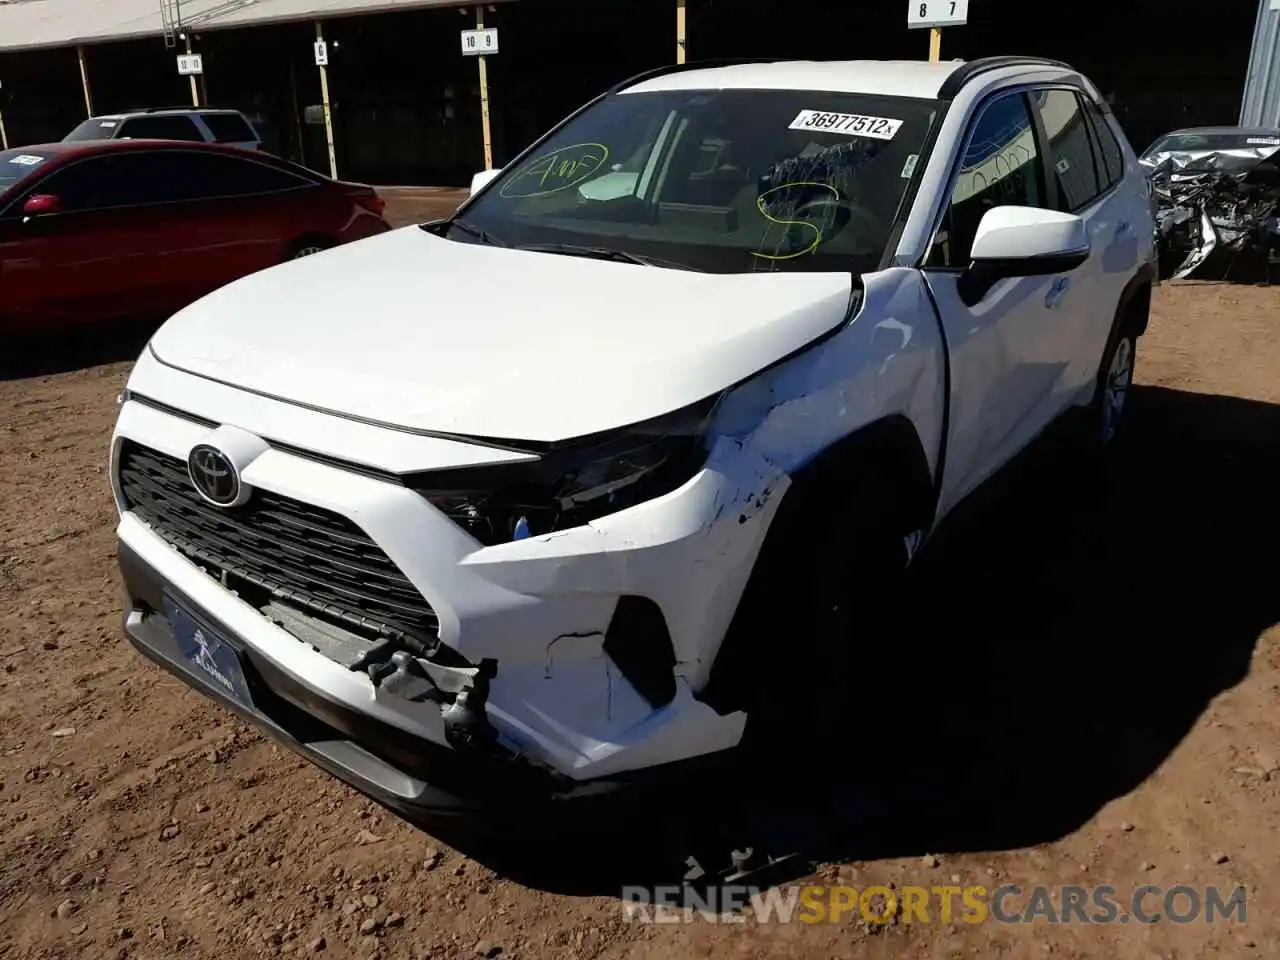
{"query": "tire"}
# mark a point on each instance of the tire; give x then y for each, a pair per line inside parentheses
(308, 246)
(817, 612)
(1111, 396)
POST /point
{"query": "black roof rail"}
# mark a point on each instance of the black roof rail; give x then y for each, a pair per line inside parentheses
(969, 69)
(964, 72)
(669, 68)
(184, 108)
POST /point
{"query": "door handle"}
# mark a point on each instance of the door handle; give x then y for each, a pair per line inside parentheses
(1056, 292)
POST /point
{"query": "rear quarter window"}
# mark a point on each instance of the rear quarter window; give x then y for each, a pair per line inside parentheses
(228, 127)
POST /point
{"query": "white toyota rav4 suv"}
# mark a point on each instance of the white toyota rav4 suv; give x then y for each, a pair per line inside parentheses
(569, 490)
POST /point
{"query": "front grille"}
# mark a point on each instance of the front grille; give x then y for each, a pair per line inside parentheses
(299, 554)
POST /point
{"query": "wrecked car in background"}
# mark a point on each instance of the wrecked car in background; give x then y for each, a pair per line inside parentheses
(1217, 194)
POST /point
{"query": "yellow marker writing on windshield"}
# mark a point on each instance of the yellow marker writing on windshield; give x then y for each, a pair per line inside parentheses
(817, 234)
(556, 171)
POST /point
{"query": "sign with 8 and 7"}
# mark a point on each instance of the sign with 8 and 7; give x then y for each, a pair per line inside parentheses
(937, 13)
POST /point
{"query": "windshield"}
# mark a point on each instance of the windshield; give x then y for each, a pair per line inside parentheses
(726, 181)
(16, 164)
(95, 128)
(1195, 142)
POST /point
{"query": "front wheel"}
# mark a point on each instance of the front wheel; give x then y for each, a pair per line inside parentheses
(820, 606)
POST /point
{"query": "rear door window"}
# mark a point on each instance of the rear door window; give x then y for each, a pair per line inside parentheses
(228, 127)
(1071, 159)
(189, 175)
(161, 128)
(1111, 155)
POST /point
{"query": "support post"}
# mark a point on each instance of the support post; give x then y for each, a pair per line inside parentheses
(935, 44)
(195, 92)
(484, 97)
(297, 115)
(680, 30)
(4, 137)
(84, 81)
(328, 115)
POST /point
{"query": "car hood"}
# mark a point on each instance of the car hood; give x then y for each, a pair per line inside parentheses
(422, 333)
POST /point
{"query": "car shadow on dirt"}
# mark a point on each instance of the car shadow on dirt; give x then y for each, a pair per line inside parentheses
(64, 351)
(1059, 649)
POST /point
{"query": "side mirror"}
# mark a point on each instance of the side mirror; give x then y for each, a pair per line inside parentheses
(41, 203)
(1022, 242)
(482, 180)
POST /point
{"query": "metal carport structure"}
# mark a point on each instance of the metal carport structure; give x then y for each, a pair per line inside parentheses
(27, 25)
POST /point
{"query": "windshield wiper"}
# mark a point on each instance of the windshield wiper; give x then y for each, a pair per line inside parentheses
(603, 253)
(484, 236)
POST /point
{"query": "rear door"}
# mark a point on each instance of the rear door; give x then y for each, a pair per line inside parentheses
(230, 215)
(1089, 180)
(100, 256)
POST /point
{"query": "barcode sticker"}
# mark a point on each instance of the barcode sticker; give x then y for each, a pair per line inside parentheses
(848, 124)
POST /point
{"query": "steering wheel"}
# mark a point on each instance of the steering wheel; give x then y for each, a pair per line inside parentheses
(820, 210)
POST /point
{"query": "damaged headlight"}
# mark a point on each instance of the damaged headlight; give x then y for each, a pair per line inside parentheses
(573, 483)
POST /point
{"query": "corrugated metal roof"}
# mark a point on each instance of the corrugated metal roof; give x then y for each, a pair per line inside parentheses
(26, 24)
(1261, 103)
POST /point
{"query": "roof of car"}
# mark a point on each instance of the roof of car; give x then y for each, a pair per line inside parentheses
(161, 112)
(75, 147)
(57, 148)
(902, 78)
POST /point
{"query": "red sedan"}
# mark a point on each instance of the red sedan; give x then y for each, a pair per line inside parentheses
(90, 231)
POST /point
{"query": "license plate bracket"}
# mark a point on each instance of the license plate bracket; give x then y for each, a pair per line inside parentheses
(207, 654)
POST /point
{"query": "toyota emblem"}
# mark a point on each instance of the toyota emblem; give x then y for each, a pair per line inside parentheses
(213, 475)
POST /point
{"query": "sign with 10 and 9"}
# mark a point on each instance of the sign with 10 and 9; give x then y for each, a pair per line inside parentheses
(937, 13)
(479, 43)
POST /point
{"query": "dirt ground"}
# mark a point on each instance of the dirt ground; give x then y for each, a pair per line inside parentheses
(1090, 693)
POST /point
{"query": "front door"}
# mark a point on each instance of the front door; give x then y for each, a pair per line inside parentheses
(1002, 371)
(94, 258)
(230, 216)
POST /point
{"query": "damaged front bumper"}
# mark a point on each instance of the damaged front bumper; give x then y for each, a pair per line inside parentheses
(571, 661)
(489, 788)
